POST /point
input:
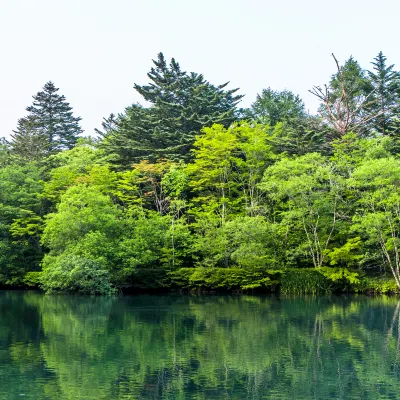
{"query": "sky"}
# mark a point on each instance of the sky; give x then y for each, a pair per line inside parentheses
(95, 50)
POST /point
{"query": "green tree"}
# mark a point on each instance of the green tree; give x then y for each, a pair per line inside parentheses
(345, 100)
(304, 195)
(300, 136)
(244, 242)
(273, 106)
(21, 209)
(50, 116)
(86, 226)
(30, 141)
(385, 87)
(4, 152)
(181, 104)
(212, 172)
(378, 218)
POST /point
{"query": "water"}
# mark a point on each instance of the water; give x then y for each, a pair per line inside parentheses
(182, 347)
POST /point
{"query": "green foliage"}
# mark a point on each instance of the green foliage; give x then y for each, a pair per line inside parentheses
(304, 281)
(306, 196)
(224, 278)
(272, 107)
(20, 221)
(346, 254)
(30, 141)
(340, 275)
(385, 96)
(377, 285)
(181, 105)
(74, 274)
(86, 226)
(184, 184)
(49, 127)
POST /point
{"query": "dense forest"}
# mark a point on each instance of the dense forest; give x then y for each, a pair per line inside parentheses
(193, 192)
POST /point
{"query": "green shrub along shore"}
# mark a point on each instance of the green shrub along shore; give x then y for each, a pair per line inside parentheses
(261, 280)
(194, 194)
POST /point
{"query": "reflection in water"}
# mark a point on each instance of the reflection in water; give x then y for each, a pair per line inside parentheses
(182, 347)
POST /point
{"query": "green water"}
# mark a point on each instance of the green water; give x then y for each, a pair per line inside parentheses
(182, 347)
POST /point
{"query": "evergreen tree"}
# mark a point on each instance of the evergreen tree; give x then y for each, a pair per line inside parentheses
(273, 106)
(385, 83)
(344, 102)
(4, 152)
(355, 82)
(50, 116)
(301, 136)
(181, 104)
(29, 141)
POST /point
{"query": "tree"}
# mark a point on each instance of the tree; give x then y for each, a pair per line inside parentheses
(253, 155)
(21, 210)
(300, 136)
(245, 242)
(181, 104)
(29, 141)
(50, 117)
(305, 196)
(385, 83)
(4, 152)
(212, 172)
(345, 99)
(273, 106)
(378, 219)
(83, 233)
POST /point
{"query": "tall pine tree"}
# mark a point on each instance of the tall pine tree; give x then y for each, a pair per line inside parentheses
(181, 104)
(385, 83)
(50, 123)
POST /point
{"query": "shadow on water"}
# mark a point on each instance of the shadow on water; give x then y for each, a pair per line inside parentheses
(198, 347)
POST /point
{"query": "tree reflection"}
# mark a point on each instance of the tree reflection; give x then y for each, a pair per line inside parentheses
(149, 347)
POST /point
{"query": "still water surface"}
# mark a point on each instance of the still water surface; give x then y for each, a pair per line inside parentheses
(195, 347)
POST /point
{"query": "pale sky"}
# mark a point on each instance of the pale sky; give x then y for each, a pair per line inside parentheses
(95, 50)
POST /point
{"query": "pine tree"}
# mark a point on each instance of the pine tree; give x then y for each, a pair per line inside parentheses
(53, 118)
(385, 83)
(29, 141)
(181, 104)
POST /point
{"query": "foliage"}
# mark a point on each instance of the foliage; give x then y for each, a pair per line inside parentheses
(385, 96)
(74, 274)
(273, 106)
(223, 278)
(20, 221)
(181, 104)
(304, 281)
(49, 127)
(186, 194)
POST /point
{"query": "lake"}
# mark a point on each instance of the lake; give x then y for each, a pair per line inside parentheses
(198, 347)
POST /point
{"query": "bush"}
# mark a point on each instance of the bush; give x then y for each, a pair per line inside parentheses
(224, 278)
(74, 274)
(304, 281)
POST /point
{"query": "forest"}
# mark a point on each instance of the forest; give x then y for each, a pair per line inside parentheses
(194, 193)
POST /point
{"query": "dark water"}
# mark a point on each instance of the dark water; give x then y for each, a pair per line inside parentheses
(149, 347)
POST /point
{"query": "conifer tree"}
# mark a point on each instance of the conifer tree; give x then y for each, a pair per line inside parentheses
(50, 123)
(29, 141)
(385, 83)
(181, 104)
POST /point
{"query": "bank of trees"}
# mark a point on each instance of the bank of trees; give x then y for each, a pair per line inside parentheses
(192, 185)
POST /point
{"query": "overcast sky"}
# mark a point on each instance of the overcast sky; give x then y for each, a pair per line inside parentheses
(95, 50)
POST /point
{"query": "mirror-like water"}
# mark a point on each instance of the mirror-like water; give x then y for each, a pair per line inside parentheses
(182, 347)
